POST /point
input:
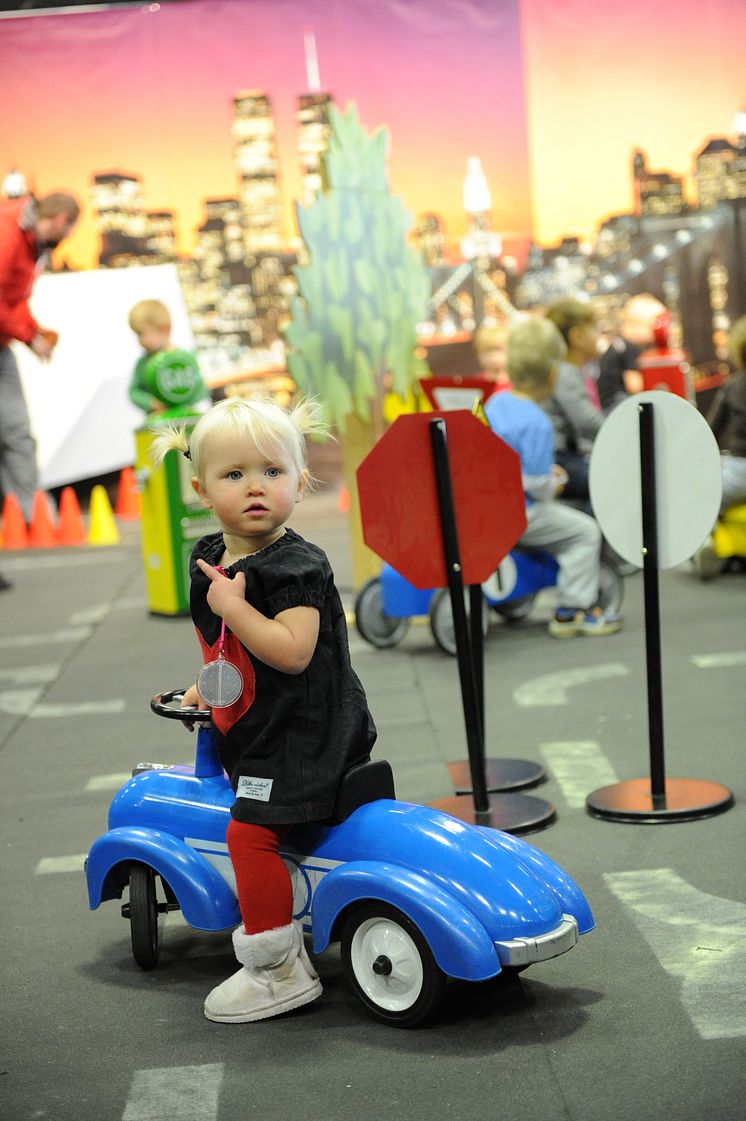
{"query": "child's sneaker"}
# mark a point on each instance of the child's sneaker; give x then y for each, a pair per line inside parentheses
(569, 622)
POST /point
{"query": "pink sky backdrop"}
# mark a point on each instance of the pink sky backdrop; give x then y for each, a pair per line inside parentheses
(606, 76)
(151, 94)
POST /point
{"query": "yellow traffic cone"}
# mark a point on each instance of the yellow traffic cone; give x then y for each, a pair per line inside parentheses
(102, 526)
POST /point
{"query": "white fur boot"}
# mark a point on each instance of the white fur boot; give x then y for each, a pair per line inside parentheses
(276, 976)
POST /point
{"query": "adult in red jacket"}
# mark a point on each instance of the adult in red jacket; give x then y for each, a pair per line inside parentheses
(29, 230)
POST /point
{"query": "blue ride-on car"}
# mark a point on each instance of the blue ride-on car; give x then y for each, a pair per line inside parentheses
(413, 895)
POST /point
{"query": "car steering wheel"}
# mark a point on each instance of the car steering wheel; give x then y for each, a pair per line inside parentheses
(162, 705)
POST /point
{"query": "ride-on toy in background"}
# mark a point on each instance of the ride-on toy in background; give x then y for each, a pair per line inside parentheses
(726, 546)
(413, 895)
(386, 603)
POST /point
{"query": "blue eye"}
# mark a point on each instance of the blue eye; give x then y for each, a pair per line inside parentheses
(273, 472)
(234, 475)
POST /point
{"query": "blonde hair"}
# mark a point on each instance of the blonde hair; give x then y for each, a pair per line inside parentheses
(259, 420)
(534, 349)
(149, 313)
(489, 338)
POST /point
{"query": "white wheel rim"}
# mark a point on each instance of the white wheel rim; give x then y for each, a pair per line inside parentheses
(398, 990)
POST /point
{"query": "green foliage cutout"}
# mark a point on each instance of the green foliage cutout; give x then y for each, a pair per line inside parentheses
(364, 289)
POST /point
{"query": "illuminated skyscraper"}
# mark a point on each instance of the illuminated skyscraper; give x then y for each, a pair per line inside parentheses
(313, 138)
(161, 236)
(120, 219)
(656, 192)
(313, 124)
(721, 171)
(256, 163)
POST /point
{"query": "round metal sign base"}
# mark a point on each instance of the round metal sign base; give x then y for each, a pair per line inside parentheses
(684, 800)
(513, 813)
(500, 774)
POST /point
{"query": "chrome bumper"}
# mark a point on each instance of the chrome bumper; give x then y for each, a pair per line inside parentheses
(526, 951)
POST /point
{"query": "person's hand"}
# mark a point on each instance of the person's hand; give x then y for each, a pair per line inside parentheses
(223, 591)
(560, 478)
(41, 346)
(192, 699)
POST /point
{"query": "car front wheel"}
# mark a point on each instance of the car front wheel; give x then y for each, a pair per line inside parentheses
(391, 966)
(143, 916)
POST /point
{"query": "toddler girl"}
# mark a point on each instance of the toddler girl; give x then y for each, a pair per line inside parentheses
(302, 718)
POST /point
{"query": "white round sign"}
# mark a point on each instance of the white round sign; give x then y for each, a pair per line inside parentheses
(688, 479)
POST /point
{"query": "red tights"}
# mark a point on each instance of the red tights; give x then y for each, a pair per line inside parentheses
(263, 884)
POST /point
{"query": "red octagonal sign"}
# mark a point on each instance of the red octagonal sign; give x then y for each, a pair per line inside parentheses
(399, 499)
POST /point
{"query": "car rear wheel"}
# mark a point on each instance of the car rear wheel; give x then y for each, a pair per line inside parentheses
(376, 628)
(391, 966)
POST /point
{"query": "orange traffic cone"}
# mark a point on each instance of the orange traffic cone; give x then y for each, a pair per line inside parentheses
(41, 533)
(343, 499)
(15, 534)
(70, 527)
(102, 528)
(128, 506)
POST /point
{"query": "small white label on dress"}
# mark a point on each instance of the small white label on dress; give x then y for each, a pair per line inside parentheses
(259, 789)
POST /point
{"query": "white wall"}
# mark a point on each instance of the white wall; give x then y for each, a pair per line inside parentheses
(80, 413)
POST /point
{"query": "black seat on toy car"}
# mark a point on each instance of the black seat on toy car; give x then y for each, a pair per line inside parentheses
(367, 782)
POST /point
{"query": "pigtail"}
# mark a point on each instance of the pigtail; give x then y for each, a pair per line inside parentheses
(308, 418)
(169, 437)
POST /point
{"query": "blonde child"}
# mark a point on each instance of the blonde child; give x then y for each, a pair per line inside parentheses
(302, 718)
(489, 346)
(535, 349)
(151, 322)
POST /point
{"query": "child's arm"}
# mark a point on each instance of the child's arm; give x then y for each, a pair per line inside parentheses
(286, 642)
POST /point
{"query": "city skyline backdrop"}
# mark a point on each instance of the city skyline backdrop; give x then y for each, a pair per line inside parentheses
(528, 88)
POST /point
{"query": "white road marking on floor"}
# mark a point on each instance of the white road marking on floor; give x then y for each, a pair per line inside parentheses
(579, 766)
(698, 938)
(63, 560)
(190, 1093)
(23, 702)
(69, 634)
(19, 702)
(720, 661)
(83, 708)
(108, 782)
(27, 675)
(51, 865)
(551, 688)
(100, 611)
(95, 614)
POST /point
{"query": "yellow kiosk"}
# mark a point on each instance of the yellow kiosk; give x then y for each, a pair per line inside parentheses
(173, 518)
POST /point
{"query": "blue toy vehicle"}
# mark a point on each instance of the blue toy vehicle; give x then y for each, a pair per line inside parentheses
(386, 603)
(413, 895)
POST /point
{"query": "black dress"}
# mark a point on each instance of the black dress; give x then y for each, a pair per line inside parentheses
(285, 749)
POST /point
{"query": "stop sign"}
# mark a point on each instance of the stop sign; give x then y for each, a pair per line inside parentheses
(399, 499)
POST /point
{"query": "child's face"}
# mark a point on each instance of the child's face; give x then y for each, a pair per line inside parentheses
(252, 495)
(492, 361)
(154, 338)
